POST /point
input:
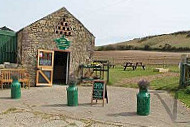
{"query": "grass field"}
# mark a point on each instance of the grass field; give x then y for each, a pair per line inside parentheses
(147, 57)
(118, 74)
(158, 81)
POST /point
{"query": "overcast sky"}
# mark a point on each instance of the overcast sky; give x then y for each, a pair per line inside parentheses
(109, 20)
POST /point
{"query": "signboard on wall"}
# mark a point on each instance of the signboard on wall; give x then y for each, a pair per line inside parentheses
(62, 43)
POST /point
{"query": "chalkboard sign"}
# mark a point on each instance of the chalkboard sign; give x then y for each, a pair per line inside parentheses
(98, 90)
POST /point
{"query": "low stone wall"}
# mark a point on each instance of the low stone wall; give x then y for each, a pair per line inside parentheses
(7, 65)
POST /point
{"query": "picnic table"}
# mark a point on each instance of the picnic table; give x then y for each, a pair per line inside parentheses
(133, 65)
(112, 65)
(140, 64)
(129, 64)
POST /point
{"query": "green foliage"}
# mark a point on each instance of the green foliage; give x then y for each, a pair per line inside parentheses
(187, 91)
(182, 96)
(143, 84)
(72, 80)
(180, 33)
(166, 83)
(120, 47)
(110, 47)
(166, 47)
(100, 48)
(117, 47)
(15, 75)
(188, 35)
(146, 47)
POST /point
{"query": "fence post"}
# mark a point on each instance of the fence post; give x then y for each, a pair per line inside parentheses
(164, 62)
(182, 71)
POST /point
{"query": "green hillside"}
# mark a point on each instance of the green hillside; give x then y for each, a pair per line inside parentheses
(178, 41)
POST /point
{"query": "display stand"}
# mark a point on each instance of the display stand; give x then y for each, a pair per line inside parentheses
(97, 70)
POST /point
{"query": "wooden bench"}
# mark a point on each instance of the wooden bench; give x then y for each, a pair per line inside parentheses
(6, 76)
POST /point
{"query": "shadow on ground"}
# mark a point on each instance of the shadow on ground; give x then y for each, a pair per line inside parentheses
(123, 114)
(5, 98)
(65, 105)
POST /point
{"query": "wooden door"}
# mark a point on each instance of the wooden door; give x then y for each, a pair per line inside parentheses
(67, 68)
(44, 76)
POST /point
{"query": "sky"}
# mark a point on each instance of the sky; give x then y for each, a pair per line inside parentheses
(110, 21)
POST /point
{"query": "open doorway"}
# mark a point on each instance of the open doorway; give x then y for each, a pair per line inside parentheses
(61, 67)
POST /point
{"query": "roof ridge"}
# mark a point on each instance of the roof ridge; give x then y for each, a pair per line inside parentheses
(63, 8)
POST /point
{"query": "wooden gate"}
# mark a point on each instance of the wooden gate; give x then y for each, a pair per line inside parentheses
(45, 63)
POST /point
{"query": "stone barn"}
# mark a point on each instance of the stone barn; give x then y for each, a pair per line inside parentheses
(52, 48)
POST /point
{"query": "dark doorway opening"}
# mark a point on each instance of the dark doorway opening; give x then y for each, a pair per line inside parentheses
(61, 67)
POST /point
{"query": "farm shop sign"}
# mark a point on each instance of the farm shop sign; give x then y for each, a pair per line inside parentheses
(62, 43)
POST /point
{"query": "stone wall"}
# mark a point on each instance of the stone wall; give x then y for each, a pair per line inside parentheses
(40, 35)
(8, 65)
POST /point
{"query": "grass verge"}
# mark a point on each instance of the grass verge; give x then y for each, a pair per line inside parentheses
(183, 97)
(169, 83)
(118, 73)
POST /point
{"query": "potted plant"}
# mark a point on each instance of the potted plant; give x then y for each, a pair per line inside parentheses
(143, 85)
(143, 98)
(187, 91)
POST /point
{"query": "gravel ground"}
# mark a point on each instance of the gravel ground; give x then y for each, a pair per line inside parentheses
(46, 107)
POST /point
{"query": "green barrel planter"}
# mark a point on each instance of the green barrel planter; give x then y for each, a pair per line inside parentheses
(15, 89)
(72, 95)
(143, 103)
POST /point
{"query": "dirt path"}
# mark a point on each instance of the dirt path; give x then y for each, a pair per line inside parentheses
(150, 78)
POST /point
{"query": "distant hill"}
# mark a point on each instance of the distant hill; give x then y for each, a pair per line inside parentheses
(178, 41)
